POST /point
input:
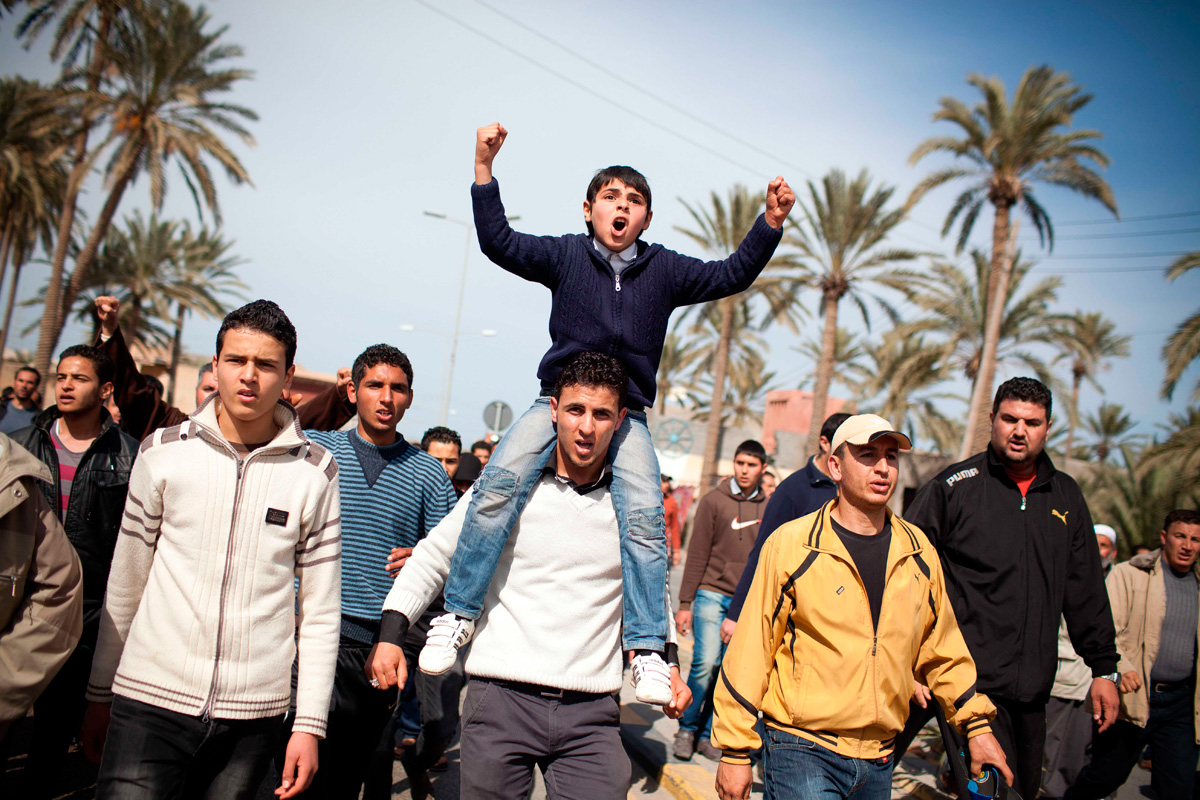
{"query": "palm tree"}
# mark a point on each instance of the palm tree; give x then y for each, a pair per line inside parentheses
(1135, 495)
(164, 71)
(204, 277)
(745, 393)
(32, 177)
(677, 357)
(848, 354)
(901, 386)
(954, 303)
(1180, 453)
(1183, 347)
(1087, 341)
(1108, 429)
(844, 229)
(1011, 147)
(719, 232)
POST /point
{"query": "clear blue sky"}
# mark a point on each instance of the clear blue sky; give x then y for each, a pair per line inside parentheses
(369, 110)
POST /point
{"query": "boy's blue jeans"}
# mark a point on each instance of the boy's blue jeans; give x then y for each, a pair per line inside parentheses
(708, 610)
(797, 769)
(500, 495)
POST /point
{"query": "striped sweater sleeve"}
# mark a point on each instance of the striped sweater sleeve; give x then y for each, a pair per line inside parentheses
(746, 667)
(132, 559)
(319, 569)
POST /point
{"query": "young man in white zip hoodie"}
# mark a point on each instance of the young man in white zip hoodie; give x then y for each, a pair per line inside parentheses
(203, 615)
(545, 661)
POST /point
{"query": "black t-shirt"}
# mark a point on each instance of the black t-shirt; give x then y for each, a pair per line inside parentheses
(870, 556)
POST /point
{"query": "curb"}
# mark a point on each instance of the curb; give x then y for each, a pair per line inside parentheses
(682, 781)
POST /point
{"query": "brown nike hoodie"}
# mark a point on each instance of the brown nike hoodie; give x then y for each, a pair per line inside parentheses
(723, 534)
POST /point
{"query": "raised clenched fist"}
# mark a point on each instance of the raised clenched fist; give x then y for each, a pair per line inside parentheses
(489, 139)
(780, 199)
(107, 307)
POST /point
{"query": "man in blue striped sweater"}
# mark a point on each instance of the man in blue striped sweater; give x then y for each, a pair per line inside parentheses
(392, 495)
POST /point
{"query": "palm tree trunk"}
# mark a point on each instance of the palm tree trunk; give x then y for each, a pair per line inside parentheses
(8, 310)
(824, 371)
(52, 313)
(716, 408)
(55, 314)
(176, 352)
(1004, 238)
(1072, 416)
(6, 243)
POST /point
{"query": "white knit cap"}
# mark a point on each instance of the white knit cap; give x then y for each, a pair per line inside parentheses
(1108, 532)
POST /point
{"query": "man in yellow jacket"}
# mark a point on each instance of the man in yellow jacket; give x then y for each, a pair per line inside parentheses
(847, 609)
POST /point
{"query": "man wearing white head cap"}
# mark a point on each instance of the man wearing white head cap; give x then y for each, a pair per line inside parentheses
(1068, 715)
(846, 604)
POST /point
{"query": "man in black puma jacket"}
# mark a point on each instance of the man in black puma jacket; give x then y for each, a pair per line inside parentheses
(1018, 550)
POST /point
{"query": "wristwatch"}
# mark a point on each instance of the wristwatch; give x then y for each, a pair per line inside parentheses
(1115, 677)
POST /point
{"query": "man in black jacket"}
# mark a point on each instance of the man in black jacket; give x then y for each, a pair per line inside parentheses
(1018, 550)
(89, 459)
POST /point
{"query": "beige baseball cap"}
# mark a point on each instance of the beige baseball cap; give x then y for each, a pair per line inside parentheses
(864, 428)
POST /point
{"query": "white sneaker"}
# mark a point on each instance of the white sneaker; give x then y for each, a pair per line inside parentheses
(447, 633)
(652, 680)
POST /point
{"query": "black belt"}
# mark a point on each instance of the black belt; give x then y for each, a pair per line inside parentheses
(549, 692)
(1163, 687)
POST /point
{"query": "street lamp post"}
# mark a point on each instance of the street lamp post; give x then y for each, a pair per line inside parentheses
(462, 289)
(452, 342)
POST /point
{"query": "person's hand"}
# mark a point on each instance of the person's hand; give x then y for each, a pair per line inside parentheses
(681, 695)
(95, 730)
(921, 695)
(1130, 682)
(385, 665)
(107, 307)
(299, 765)
(780, 199)
(1105, 702)
(343, 380)
(294, 398)
(728, 626)
(984, 749)
(488, 141)
(683, 621)
(396, 559)
(734, 781)
(676, 558)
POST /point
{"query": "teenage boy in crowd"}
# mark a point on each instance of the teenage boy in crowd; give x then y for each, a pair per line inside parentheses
(89, 460)
(723, 531)
(227, 565)
(546, 666)
(1018, 549)
(483, 451)
(847, 604)
(19, 410)
(1155, 601)
(611, 293)
(800, 494)
(392, 494)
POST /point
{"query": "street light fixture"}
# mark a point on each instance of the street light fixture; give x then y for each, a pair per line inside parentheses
(462, 288)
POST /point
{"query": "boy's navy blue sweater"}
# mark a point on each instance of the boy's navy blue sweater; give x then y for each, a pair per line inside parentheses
(592, 310)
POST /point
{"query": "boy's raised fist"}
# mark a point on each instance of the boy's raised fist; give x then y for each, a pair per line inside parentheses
(780, 199)
(489, 139)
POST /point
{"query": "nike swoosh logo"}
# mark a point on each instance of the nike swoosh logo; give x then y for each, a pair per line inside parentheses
(737, 526)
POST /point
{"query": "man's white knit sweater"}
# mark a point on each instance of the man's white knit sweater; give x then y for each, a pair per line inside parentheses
(199, 614)
(552, 615)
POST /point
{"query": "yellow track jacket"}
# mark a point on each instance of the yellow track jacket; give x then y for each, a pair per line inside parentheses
(805, 652)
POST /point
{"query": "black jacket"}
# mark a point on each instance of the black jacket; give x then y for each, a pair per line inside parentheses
(97, 501)
(1013, 566)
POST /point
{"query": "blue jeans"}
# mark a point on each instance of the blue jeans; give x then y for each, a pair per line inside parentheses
(500, 495)
(797, 769)
(708, 610)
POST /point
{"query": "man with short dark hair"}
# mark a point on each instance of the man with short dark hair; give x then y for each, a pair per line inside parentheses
(90, 460)
(444, 445)
(723, 533)
(1018, 548)
(482, 450)
(19, 410)
(1155, 601)
(800, 494)
(392, 495)
(227, 567)
(546, 663)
